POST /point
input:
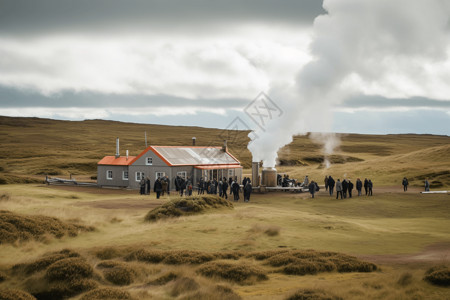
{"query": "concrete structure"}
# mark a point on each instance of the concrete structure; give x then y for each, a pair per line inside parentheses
(190, 162)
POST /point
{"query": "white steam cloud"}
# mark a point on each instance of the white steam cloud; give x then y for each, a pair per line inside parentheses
(360, 46)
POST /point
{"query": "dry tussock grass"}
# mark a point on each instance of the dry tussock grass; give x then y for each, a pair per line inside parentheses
(183, 285)
(241, 273)
(108, 253)
(164, 279)
(45, 261)
(62, 289)
(438, 275)
(13, 294)
(69, 268)
(309, 294)
(213, 293)
(269, 230)
(174, 257)
(106, 294)
(405, 279)
(187, 206)
(117, 272)
(16, 227)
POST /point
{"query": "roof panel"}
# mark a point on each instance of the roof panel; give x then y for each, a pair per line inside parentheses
(195, 155)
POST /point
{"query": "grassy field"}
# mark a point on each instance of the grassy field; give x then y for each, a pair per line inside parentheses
(33, 147)
(256, 250)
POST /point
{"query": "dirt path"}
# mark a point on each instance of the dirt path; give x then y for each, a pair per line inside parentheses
(439, 252)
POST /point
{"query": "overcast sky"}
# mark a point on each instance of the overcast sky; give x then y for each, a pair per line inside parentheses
(201, 62)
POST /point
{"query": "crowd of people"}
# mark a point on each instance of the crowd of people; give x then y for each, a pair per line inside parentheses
(344, 188)
(213, 186)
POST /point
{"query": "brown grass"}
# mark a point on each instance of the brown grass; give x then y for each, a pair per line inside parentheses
(241, 273)
(309, 294)
(69, 268)
(62, 289)
(106, 294)
(187, 206)
(13, 294)
(117, 272)
(183, 285)
(164, 279)
(405, 279)
(213, 293)
(45, 261)
(16, 227)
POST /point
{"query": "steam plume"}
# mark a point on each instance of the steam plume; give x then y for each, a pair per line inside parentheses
(360, 46)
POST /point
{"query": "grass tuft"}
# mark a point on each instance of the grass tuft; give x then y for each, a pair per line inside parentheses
(240, 273)
(45, 261)
(309, 294)
(62, 289)
(106, 294)
(187, 206)
(405, 279)
(217, 292)
(438, 275)
(69, 268)
(183, 285)
(149, 256)
(15, 227)
(164, 279)
(118, 273)
(12, 294)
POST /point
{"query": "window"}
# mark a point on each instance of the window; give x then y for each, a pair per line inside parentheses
(182, 174)
(125, 175)
(149, 161)
(160, 175)
(109, 175)
(230, 173)
(139, 176)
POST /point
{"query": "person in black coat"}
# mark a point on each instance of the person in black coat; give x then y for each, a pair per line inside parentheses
(182, 186)
(350, 188)
(344, 188)
(177, 183)
(405, 184)
(366, 184)
(370, 186)
(247, 190)
(359, 186)
(331, 184)
(235, 187)
(224, 188)
(312, 188)
(326, 183)
(230, 183)
(147, 185)
(157, 188)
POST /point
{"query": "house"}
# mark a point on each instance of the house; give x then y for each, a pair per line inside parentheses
(190, 162)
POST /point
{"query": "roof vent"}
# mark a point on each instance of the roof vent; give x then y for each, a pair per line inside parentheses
(117, 148)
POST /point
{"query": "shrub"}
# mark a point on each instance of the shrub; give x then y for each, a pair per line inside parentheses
(150, 256)
(187, 206)
(179, 257)
(107, 294)
(438, 275)
(239, 273)
(69, 268)
(107, 253)
(308, 294)
(182, 285)
(262, 255)
(12, 294)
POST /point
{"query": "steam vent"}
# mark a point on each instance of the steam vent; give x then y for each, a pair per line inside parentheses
(269, 177)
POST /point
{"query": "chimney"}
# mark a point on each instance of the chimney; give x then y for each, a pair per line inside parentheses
(224, 147)
(117, 148)
(127, 154)
(193, 141)
(255, 173)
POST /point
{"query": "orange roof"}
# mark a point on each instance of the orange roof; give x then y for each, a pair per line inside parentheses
(217, 167)
(112, 160)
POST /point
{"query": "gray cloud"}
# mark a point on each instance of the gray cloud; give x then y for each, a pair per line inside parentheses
(379, 102)
(55, 16)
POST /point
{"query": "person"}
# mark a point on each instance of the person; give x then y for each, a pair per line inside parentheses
(312, 188)
(168, 184)
(188, 187)
(235, 187)
(306, 181)
(142, 186)
(326, 182)
(344, 188)
(147, 185)
(164, 186)
(205, 186)
(224, 188)
(182, 185)
(244, 181)
(370, 186)
(427, 185)
(331, 184)
(212, 187)
(220, 185)
(350, 188)
(247, 190)
(366, 183)
(200, 186)
(405, 184)
(230, 184)
(157, 188)
(359, 186)
(338, 189)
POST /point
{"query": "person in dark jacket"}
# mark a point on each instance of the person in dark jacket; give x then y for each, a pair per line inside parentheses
(427, 185)
(168, 184)
(344, 188)
(177, 183)
(312, 188)
(182, 183)
(326, 183)
(366, 184)
(350, 188)
(147, 185)
(359, 186)
(331, 184)
(338, 189)
(224, 188)
(230, 183)
(235, 187)
(142, 186)
(244, 181)
(370, 186)
(247, 190)
(157, 188)
(405, 184)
